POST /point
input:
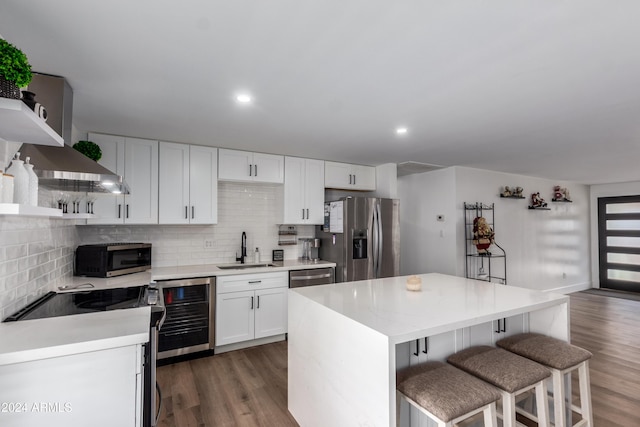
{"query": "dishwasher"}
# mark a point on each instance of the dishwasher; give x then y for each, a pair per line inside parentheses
(312, 277)
(189, 325)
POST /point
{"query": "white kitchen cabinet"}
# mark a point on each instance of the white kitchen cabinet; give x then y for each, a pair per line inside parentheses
(71, 390)
(188, 183)
(245, 166)
(250, 306)
(137, 161)
(303, 191)
(491, 332)
(346, 176)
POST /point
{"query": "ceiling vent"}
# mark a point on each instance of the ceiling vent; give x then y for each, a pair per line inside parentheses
(408, 168)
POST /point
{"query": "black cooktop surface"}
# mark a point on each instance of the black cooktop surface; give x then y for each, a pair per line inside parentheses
(64, 304)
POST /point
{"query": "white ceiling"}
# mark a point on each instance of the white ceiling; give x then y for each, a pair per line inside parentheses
(534, 87)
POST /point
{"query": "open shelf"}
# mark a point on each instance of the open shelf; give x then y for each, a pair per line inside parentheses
(18, 123)
(27, 210)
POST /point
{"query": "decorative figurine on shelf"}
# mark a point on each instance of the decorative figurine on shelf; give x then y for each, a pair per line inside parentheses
(560, 194)
(506, 192)
(483, 235)
(517, 192)
(537, 201)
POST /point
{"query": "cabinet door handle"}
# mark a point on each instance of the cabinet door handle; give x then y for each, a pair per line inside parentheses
(193, 212)
(417, 341)
(350, 179)
(186, 213)
(258, 305)
(251, 303)
(255, 170)
(252, 282)
(504, 324)
(127, 210)
(354, 179)
(119, 211)
(302, 213)
(250, 170)
(307, 213)
(426, 345)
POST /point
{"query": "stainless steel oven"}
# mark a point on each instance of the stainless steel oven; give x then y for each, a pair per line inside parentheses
(189, 326)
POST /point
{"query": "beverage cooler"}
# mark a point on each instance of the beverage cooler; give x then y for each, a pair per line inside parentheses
(189, 325)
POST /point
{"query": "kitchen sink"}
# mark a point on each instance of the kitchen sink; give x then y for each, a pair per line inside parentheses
(243, 266)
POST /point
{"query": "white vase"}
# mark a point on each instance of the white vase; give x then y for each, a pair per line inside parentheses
(33, 183)
(20, 181)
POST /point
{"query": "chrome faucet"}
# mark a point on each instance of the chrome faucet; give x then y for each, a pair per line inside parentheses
(243, 249)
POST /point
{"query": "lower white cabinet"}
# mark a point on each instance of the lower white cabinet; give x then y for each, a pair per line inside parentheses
(250, 306)
(489, 333)
(97, 388)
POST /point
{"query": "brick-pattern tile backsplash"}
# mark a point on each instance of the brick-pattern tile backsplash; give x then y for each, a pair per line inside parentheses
(256, 209)
(36, 255)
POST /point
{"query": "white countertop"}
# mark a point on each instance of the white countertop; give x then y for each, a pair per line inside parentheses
(210, 270)
(445, 303)
(37, 339)
(28, 340)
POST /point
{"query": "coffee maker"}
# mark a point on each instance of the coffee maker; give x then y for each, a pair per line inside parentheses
(310, 249)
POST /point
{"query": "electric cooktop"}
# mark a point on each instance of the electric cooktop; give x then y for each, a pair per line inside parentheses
(55, 304)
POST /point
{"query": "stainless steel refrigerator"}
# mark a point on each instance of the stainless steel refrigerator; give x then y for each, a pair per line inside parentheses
(362, 236)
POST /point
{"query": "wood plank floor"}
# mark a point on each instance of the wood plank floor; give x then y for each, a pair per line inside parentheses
(249, 387)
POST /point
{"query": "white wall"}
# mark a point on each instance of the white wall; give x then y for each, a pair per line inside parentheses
(605, 190)
(387, 181)
(426, 244)
(545, 249)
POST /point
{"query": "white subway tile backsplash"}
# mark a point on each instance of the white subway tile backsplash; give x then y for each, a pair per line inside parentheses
(36, 254)
(253, 208)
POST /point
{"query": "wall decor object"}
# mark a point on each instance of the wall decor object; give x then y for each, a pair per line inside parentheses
(485, 259)
(15, 70)
(511, 192)
(538, 202)
(89, 149)
(29, 98)
(561, 194)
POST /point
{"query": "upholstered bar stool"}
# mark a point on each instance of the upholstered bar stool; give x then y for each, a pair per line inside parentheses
(446, 394)
(561, 358)
(512, 374)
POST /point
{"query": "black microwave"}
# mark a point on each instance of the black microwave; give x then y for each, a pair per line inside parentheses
(112, 259)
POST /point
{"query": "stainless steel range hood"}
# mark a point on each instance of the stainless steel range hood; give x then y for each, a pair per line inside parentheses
(65, 169)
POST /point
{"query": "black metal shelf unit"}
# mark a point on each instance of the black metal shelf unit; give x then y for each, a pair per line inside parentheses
(492, 265)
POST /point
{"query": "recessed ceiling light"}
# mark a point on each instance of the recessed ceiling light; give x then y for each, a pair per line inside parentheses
(401, 131)
(244, 98)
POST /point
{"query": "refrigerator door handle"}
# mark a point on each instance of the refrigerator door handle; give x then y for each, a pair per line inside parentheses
(375, 234)
(380, 241)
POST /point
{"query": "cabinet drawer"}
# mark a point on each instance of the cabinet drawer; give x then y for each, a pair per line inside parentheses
(249, 282)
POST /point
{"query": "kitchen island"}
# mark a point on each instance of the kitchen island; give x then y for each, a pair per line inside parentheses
(347, 340)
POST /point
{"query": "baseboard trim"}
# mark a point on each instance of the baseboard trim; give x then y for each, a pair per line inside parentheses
(570, 288)
(247, 344)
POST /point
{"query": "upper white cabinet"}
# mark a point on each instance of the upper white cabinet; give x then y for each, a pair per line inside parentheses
(303, 191)
(346, 176)
(234, 165)
(137, 161)
(18, 123)
(188, 182)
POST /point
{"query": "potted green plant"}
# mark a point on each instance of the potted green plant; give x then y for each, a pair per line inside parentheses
(15, 70)
(89, 149)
